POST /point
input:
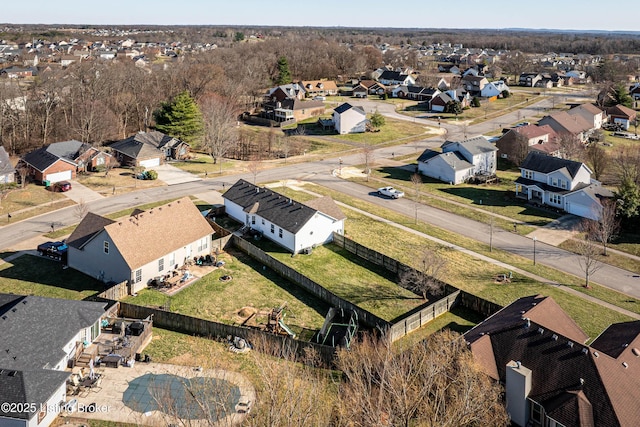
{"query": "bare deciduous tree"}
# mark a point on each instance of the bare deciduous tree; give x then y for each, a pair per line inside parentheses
(570, 145)
(598, 160)
(606, 227)
(425, 277)
(368, 157)
(255, 166)
(80, 210)
(588, 252)
(434, 383)
(220, 120)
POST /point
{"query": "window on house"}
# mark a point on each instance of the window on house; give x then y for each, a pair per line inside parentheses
(554, 182)
(106, 247)
(563, 184)
(555, 198)
(161, 264)
(253, 220)
(138, 278)
(172, 259)
(537, 413)
(272, 229)
(280, 233)
(527, 174)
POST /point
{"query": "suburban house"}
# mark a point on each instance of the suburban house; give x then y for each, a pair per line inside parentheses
(459, 161)
(368, 87)
(516, 142)
(592, 114)
(149, 149)
(564, 123)
(551, 377)
(7, 171)
(61, 160)
(319, 87)
(474, 84)
(293, 225)
(634, 92)
(282, 92)
(140, 247)
(621, 115)
(392, 78)
(349, 119)
(561, 184)
(529, 79)
(39, 336)
(416, 93)
(293, 109)
(494, 89)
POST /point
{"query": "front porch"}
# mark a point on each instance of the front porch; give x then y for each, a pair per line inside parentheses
(533, 195)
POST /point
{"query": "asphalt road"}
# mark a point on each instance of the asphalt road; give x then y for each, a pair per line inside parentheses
(320, 172)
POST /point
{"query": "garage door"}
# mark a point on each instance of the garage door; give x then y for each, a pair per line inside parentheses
(58, 176)
(580, 210)
(150, 162)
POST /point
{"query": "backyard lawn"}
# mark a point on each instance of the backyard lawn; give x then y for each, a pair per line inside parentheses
(44, 277)
(252, 288)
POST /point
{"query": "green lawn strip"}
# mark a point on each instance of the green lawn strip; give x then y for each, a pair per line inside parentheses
(44, 277)
(466, 272)
(392, 130)
(209, 298)
(627, 242)
(458, 319)
(203, 163)
(612, 258)
(31, 196)
(357, 281)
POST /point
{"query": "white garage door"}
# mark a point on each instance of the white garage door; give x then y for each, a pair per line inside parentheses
(580, 210)
(150, 162)
(58, 176)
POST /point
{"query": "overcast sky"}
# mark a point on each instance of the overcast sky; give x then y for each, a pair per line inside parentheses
(583, 15)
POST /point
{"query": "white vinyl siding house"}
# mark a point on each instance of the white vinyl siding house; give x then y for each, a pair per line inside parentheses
(290, 224)
(349, 119)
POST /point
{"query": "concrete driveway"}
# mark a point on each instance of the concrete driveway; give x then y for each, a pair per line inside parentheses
(172, 175)
(79, 193)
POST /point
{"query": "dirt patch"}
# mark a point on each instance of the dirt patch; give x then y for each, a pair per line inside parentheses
(247, 311)
(183, 359)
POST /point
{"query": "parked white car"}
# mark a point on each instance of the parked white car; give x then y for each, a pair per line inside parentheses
(390, 192)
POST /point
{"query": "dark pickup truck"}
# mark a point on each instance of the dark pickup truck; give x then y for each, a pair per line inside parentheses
(55, 250)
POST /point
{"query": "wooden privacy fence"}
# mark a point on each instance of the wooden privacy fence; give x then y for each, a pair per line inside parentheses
(277, 345)
(364, 316)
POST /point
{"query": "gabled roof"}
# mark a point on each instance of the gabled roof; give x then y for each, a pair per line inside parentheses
(370, 83)
(575, 384)
(5, 163)
(145, 145)
(476, 145)
(274, 207)
(393, 75)
(540, 162)
(90, 225)
(346, 106)
(313, 85)
(67, 151)
(299, 104)
(327, 206)
(455, 160)
(428, 154)
(29, 385)
(572, 123)
(588, 109)
(34, 330)
(621, 110)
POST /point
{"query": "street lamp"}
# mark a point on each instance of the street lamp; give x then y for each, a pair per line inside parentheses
(535, 239)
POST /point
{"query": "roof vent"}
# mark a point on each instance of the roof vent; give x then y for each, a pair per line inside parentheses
(596, 354)
(585, 351)
(570, 344)
(554, 337)
(13, 373)
(581, 381)
(625, 345)
(625, 364)
(635, 352)
(541, 331)
(518, 364)
(527, 322)
(534, 304)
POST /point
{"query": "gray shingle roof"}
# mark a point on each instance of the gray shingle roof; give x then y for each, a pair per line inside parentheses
(346, 106)
(34, 330)
(29, 386)
(540, 162)
(44, 157)
(274, 207)
(5, 162)
(476, 145)
(145, 145)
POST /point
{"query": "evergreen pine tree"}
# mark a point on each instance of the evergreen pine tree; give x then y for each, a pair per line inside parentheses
(284, 75)
(180, 118)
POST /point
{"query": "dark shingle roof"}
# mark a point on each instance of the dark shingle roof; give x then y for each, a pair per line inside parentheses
(274, 207)
(616, 338)
(48, 323)
(540, 162)
(67, 151)
(90, 225)
(29, 386)
(342, 108)
(143, 145)
(428, 154)
(566, 380)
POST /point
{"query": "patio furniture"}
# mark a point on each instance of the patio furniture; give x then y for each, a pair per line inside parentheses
(112, 360)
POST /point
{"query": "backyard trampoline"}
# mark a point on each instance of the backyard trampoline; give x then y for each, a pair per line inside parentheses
(185, 398)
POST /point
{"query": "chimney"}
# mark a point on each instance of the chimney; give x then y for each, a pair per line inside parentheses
(517, 389)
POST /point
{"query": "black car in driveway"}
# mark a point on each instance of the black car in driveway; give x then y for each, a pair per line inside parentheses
(55, 250)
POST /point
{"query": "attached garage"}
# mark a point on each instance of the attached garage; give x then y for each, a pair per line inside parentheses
(57, 176)
(149, 163)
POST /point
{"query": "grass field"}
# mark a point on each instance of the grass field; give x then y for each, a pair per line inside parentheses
(44, 277)
(252, 286)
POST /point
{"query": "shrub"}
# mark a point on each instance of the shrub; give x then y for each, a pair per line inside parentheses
(151, 175)
(475, 102)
